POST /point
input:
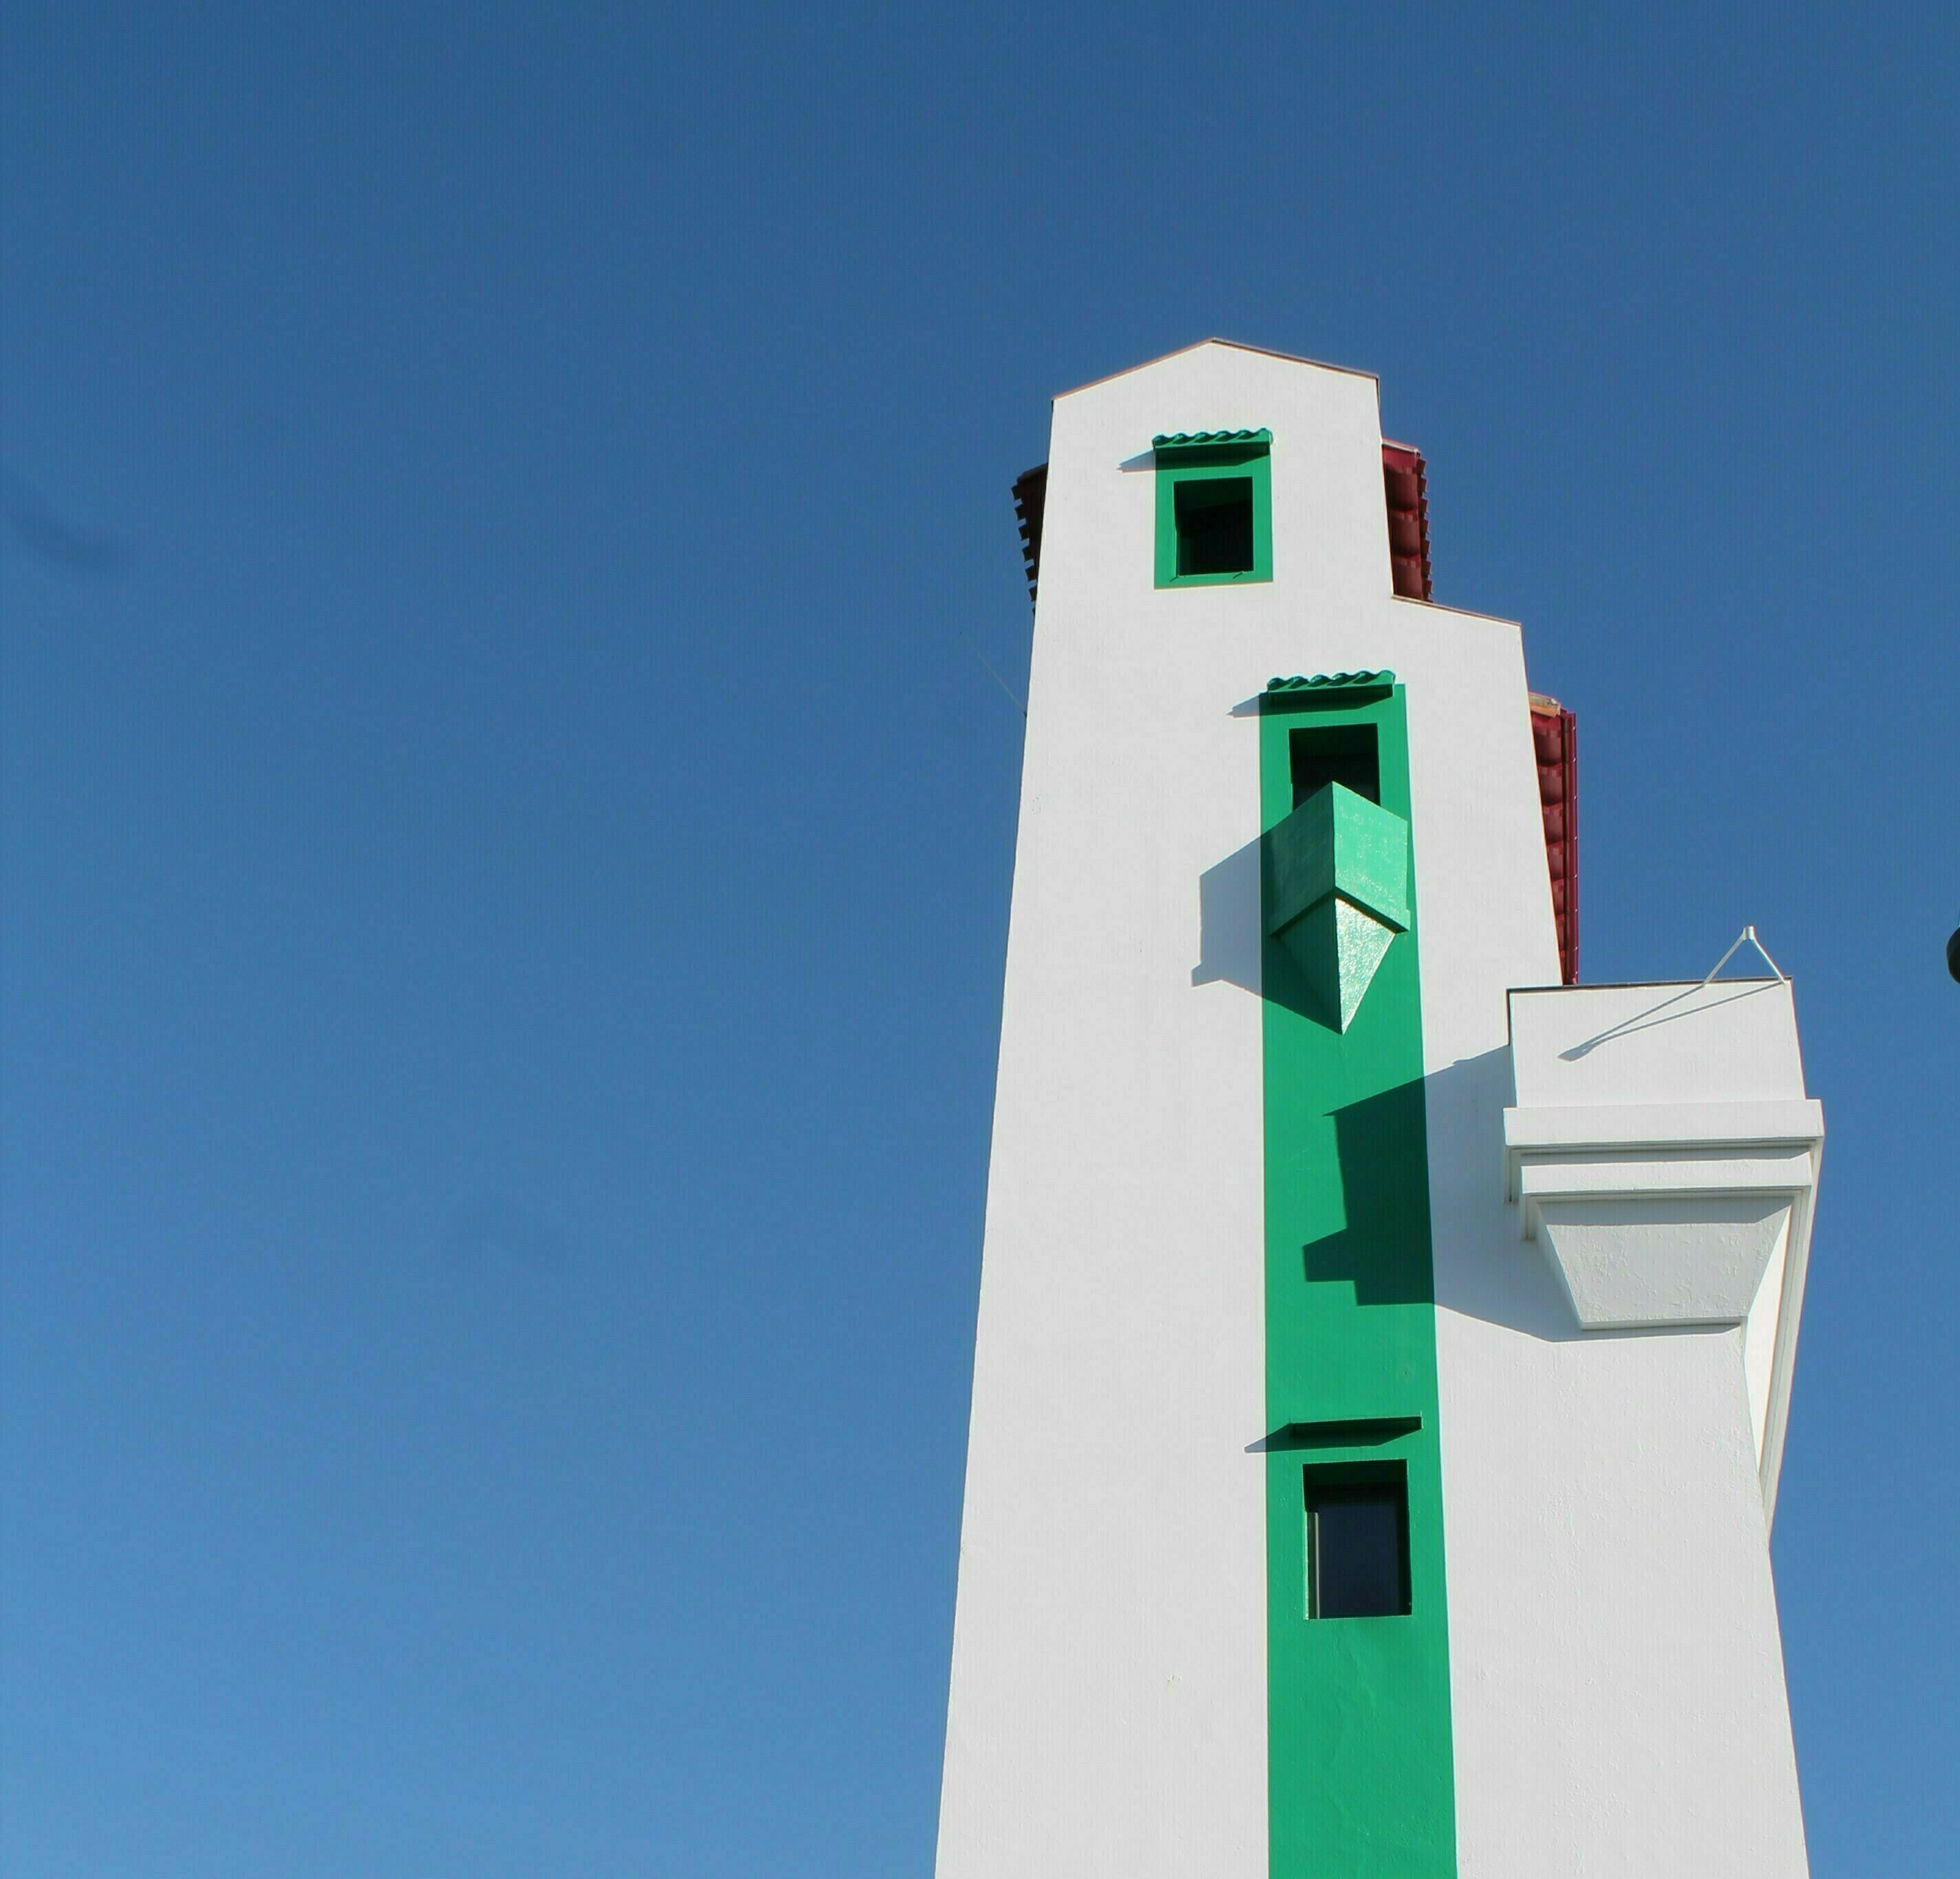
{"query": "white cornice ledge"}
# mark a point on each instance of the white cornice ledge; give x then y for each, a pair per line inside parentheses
(1664, 1214)
(1662, 1132)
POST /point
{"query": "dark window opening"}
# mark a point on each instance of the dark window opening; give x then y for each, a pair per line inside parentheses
(1357, 1559)
(1214, 525)
(1338, 754)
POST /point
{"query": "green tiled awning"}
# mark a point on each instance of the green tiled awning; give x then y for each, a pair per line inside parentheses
(1209, 440)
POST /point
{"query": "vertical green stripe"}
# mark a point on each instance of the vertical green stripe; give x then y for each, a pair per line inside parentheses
(1361, 1780)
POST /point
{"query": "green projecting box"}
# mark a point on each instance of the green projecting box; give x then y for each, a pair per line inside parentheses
(1337, 893)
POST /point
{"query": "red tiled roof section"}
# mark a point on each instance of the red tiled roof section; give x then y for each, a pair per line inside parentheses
(1555, 743)
(1406, 481)
(1030, 501)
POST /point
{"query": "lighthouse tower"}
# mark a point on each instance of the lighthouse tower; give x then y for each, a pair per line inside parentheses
(1385, 1341)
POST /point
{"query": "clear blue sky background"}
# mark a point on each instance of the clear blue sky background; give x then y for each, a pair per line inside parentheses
(506, 837)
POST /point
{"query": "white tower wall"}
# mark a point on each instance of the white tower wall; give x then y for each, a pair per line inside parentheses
(1616, 1687)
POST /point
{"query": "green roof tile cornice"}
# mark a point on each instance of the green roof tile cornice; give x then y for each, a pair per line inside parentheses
(1207, 440)
(1334, 681)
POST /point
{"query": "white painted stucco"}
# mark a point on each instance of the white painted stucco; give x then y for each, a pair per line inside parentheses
(1729, 1040)
(1616, 1676)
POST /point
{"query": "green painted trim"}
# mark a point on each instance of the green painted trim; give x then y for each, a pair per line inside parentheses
(1360, 1779)
(1203, 456)
(1360, 1430)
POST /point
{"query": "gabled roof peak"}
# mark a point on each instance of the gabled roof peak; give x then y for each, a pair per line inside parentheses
(1237, 345)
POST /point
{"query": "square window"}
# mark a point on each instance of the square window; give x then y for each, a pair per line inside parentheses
(1357, 1562)
(1214, 508)
(1214, 525)
(1335, 753)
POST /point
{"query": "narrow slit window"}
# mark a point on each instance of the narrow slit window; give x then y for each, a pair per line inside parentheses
(1346, 754)
(1358, 1557)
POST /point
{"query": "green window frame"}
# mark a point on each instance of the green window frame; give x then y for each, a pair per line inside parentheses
(1190, 460)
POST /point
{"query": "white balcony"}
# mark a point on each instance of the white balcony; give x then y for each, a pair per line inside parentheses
(1663, 1154)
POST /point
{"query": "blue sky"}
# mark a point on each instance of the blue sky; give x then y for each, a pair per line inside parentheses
(506, 836)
